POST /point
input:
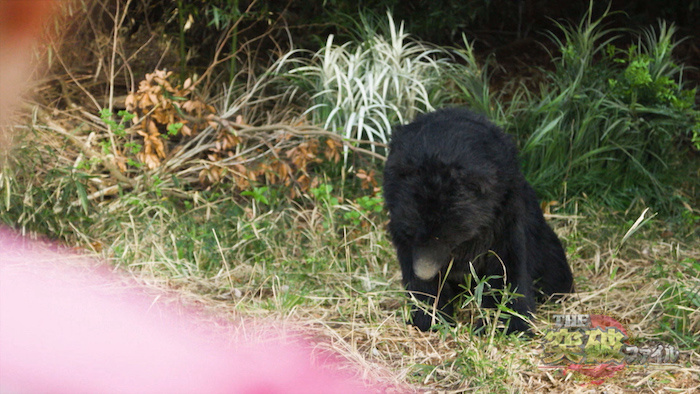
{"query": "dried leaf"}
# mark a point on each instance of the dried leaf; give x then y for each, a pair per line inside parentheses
(144, 86)
(161, 116)
(188, 106)
(152, 127)
(152, 97)
(368, 179)
(145, 102)
(130, 102)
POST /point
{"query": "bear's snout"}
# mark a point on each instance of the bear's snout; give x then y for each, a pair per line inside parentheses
(428, 261)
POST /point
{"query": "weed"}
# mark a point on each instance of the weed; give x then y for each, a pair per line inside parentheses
(366, 207)
(679, 301)
(259, 194)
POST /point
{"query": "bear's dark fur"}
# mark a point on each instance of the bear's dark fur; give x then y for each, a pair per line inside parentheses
(454, 192)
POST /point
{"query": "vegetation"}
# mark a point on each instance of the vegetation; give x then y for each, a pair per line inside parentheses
(253, 186)
(361, 88)
(607, 122)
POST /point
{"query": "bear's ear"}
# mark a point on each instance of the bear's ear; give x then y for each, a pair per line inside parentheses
(477, 181)
(402, 164)
(400, 170)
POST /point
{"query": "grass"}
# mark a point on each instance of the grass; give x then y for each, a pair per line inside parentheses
(335, 279)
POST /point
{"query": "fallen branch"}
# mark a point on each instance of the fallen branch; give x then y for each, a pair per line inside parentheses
(239, 128)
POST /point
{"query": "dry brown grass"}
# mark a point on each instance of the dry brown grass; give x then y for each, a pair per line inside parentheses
(367, 327)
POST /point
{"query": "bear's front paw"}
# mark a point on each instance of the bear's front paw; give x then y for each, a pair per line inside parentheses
(425, 320)
(517, 324)
(422, 320)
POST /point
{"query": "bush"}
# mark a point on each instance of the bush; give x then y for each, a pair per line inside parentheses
(607, 121)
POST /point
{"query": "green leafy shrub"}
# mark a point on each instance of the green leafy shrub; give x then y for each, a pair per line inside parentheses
(607, 121)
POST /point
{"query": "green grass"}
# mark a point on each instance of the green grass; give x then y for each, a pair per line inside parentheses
(679, 302)
(42, 193)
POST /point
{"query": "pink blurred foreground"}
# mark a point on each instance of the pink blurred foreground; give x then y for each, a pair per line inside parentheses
(68, 328)
(70, 325)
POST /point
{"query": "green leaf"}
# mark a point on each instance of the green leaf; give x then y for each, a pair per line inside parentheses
(82, 195)
(174, 128)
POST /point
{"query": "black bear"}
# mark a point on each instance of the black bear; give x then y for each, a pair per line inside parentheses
(455, 194)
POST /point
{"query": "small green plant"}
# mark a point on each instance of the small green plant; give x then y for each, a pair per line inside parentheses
(322, 194)
(648, 81)
(259, 194)
(488, 318)
(636, 85)
(173, 128)
(119, 131)
(366, 206)
(118, 128)
(690, 217)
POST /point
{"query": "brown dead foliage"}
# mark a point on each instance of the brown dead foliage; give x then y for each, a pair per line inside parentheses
(163, 110)
(168, 116)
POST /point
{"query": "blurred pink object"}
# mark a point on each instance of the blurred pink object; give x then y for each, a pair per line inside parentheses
(69, 325)
(67, 329)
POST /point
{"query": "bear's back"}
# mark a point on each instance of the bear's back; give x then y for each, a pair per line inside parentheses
(455, 136)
